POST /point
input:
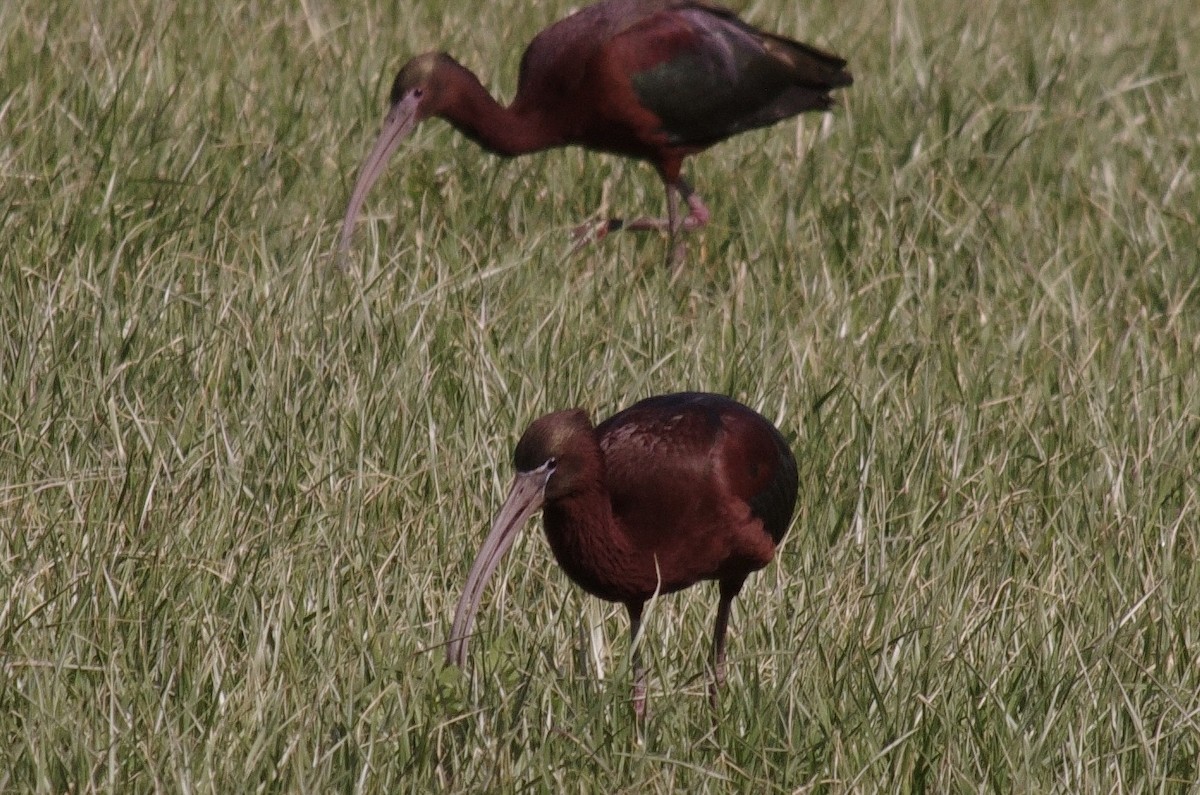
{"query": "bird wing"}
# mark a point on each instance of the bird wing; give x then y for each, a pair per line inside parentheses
(707, 75)
(556, 61)
(658, 457)
(683, 456)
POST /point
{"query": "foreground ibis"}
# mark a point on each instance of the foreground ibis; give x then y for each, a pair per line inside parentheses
(671, 491)
(656, 80)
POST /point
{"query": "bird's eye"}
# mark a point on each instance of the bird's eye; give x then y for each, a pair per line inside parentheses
(418, 92)
(551, 464)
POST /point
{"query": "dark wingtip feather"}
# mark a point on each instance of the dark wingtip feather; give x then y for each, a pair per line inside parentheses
(776, 504)
(813, 67)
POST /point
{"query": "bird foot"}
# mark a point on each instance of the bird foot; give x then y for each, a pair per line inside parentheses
(717, 682)
(639, 701)
(697, 217)
(688, 224)
(592, 232)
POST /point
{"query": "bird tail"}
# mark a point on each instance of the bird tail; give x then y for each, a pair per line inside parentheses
(813, 68)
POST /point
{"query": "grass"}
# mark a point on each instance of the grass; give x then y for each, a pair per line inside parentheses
(239, 491)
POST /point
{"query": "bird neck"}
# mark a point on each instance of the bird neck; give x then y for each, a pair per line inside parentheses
(505, 131)
(590, 546)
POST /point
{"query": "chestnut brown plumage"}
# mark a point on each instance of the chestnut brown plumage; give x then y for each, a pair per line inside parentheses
(671, 491)
(656, 80)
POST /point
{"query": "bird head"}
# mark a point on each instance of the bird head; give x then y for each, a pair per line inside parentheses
(554, 440)
(550, 465)
(419, 91)
(421, 80)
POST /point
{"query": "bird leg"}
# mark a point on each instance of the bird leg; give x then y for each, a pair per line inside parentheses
(728, 591)
(639, 673)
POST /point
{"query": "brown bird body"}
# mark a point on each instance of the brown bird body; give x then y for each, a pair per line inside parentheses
(656, 80)
(674, 490)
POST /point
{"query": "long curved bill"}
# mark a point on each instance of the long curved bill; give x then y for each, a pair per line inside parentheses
(397, 125)
(525, 498)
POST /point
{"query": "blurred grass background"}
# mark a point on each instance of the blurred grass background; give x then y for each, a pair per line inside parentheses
(239, 491)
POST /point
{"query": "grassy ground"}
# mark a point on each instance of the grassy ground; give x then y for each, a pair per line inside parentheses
(239, 491)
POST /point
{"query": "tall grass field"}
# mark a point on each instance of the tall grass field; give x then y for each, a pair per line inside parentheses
(240, 489)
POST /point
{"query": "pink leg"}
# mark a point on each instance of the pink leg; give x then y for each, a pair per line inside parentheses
(639, 673)
(728, 591)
